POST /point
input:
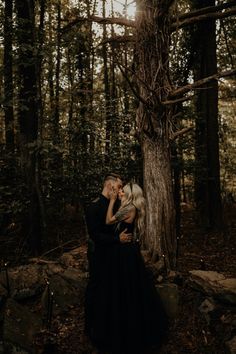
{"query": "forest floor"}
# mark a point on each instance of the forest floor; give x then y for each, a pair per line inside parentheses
(189, 333)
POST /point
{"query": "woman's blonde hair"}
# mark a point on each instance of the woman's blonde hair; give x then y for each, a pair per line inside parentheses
(134, 196)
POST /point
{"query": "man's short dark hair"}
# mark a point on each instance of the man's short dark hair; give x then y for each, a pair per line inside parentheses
(112, 176)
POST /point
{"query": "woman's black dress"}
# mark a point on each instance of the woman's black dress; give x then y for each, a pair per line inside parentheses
(130, 315)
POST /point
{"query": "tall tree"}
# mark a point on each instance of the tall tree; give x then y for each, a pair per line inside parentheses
(8, 76)
(207, 176)
(106, 86)
(153, 118)
(28, 115)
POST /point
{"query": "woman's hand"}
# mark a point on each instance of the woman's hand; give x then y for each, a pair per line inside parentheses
(110, 219)
(113, 194)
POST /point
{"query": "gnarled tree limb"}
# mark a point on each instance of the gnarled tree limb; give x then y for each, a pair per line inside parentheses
(180, 22)
(196, 84)
(137, 95)
(108, 20)
(203, 17)
(180, 132)
(205, 10)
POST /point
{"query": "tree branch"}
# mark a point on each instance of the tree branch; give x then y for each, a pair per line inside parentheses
(178, 100)
(180, 22)
(203, 17)
(140, 98)
(108, 20)
(180, 132)
(196, 84)
(205, 10)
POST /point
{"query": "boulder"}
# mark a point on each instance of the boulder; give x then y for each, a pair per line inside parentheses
(19, 328)
(68, 290)
(75, 277)
(24, 281)
(54, 269)
(67, 260)
(231, 346)
(214, 284)
(169, 294)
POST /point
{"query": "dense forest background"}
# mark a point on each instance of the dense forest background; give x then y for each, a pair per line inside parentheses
(70, 92)
(143, 88)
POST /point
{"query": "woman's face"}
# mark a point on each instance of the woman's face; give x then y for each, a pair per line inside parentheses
(121, 194)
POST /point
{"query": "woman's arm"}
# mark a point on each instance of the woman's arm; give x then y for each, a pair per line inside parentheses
(127, 213)
(110, 218)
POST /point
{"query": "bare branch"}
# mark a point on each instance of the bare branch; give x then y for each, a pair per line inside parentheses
(178, 100)
(196, 84)
(204, 10)
(180, 132)
(137, 95)
(203, 17)
(108, 20)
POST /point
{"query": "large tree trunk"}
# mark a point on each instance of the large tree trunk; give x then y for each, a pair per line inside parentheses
(160, 219)
(207, 177)
(8, 77)
(153, 121)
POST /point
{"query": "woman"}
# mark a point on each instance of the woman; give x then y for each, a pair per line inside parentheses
(140, 318)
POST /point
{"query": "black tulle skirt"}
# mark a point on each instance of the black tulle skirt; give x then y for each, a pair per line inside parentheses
(124, 313)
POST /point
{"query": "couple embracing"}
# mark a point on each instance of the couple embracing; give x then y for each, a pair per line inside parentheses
(123, 312)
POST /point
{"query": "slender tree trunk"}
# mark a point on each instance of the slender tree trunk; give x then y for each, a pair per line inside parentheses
(58, 66)
(28, 115)
(106, 90)
(207, 177)
(40, 60)
(153, 122)
(8, 77)
(50, 68)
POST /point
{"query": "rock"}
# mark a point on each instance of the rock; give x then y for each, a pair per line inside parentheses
(78, 252)
(19, 327)
(160, 279)
(67, 260)
(75, 277)
(170, 297)
(214, 284)
(68, 290)
(54, 269)
(207, 306)
(229, 286)
(25, 281)
(231, 345)
(229, 319)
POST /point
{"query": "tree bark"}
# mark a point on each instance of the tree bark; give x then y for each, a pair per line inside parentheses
(207, 176)
(106, 91)
(8, 77)
(28, 116)
(153, 123)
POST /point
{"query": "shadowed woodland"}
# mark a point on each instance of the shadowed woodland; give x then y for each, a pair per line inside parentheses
(142, 88)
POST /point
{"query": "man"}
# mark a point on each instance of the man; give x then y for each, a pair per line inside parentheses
(102, 246)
